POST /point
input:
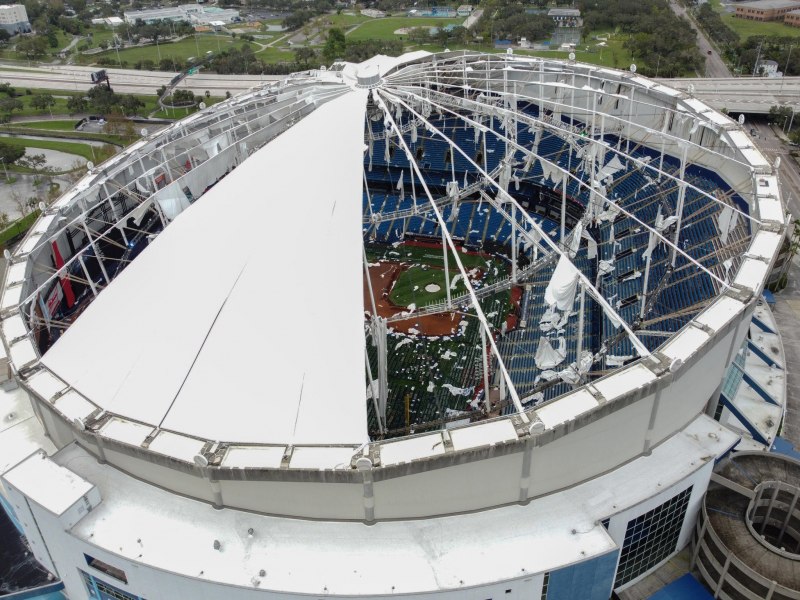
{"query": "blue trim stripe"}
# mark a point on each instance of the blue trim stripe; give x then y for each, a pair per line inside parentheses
(744, 421)
(759, 390)
(761, 325)
(762, 355)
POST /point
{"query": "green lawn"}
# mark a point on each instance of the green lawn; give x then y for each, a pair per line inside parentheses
(54, 125)
(60, 107)
(343, 21)
(409, 288)
(181, 50)
(614, 55)
(100, 33)
(63, 40)
(384, 29)
(84, 150)
(18, 227)
(179, 113)
(275, 55)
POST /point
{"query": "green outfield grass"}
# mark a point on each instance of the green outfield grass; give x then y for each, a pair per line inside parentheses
(429, 256)
(181, 50)
(384, 29)
(409, 288)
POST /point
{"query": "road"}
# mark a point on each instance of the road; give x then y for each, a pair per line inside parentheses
(743, 94)
(789, 172)
(127, 81)
(715, 66)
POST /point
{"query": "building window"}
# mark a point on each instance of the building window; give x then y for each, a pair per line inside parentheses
(545, 585)
(114, 572)
(651, 537)
(100, 590)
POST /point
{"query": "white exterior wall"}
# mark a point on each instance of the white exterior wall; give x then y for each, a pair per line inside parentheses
(156, 584)
(13, 14)
(594, 448)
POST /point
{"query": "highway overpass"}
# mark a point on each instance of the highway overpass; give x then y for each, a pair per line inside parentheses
(736, 94)
(743, 94)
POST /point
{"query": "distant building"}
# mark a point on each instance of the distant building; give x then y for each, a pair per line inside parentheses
(792, 18)
(151, 15)
(193, 13)
(14, 19)
(566, 17)
(373, 13)
(111, 21)
(443, 12)
(568, 26)
(464, 10)
(766, 10)
(768, 68)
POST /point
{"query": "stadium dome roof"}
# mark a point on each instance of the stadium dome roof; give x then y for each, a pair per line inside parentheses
(597, 238)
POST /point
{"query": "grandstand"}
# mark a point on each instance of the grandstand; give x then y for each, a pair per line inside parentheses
(481, 303)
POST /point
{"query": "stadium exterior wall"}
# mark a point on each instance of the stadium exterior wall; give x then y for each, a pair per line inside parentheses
(586, 443)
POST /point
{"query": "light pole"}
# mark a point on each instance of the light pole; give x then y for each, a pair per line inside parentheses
(3, 160)
(786, 68)
(116, 47)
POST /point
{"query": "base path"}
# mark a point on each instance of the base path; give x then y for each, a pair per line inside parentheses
(383, 275)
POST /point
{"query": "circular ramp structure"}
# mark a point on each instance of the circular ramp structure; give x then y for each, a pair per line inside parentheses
(747, 541)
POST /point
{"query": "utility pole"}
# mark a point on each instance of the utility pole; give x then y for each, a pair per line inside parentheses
(758, 59)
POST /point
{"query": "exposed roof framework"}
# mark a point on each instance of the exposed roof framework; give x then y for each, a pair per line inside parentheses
(417, 96)
(571, 172)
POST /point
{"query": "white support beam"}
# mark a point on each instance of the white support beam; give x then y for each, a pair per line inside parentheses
(474, 298)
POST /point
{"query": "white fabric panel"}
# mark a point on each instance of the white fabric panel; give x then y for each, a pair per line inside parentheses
(172, 201)
(220, 329)
(548, 357)
(563, 285)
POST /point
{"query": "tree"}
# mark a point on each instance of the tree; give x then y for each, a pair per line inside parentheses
(9, 105)
(36, 162)
(77, 104)
(130, 104)
(43, 102)
(33, 47)
(305, 56)
(778, 114)
(4, 36)
(102, 99)
(10, 153)
(335, 45)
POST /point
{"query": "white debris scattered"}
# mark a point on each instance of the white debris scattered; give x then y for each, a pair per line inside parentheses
(457, 391)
